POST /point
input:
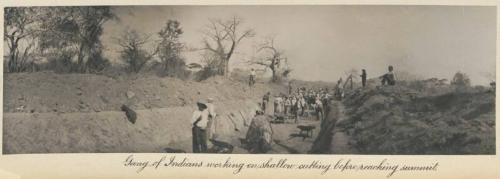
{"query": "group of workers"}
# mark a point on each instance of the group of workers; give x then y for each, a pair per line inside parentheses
(294, 105)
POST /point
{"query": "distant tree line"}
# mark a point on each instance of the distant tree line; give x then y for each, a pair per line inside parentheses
(66, 37)
(67, 40)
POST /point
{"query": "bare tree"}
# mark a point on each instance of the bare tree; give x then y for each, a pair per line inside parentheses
(132, 52)
(273, 58)
(222, 37)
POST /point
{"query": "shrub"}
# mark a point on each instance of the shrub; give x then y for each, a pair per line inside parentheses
(460, 79)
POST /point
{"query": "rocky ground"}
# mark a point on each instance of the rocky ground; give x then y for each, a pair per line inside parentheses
(407, 120)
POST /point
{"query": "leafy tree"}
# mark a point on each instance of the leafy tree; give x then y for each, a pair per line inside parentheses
(76, 29)
(222, 37)
(169, 49)
(19, 32)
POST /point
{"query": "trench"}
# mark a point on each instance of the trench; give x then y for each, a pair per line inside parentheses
(331, 139)
(156, 130)
(161, 130)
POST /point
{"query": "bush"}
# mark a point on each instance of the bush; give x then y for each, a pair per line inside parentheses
(461, 82)
(175, 68)
(96, 62)
(460, 79)
(205, 73)
(60, 62)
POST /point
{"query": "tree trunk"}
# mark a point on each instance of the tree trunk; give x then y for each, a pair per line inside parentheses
(274, 75)
(12, 65)
(273, 69)
(228, 56)
(226, 68)
(165, 67)
(80, 58)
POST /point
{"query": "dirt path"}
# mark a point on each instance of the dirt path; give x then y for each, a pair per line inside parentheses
(288, 140)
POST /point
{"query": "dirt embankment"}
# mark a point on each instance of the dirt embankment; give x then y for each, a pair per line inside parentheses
(43, 92)
(52, 113)
(400, 120)
(110, 131)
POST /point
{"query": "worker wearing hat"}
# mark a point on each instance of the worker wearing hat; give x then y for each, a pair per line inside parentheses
(199, 124)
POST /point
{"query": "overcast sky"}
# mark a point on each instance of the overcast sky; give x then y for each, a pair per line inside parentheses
(322, 42)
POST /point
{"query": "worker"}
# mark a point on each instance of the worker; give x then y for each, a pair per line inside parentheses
(252, 77)
(363, 77)
(199, 122)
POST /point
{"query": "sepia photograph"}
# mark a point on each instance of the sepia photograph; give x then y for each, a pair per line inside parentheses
(250, 79)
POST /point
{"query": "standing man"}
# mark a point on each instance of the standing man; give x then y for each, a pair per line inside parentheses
(303, 104)
(339, 90)
(319, 109)
(265, 102)
(252, 77)
(211, 126)
(363, 77)
(294, 108)
(199, 124)
(279, 104)
(287, 105)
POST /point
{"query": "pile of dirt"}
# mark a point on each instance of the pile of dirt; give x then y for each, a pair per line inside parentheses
(402, 120)
(44, 92)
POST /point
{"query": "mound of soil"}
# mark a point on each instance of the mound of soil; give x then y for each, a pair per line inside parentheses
(43, 92)
(400, 120)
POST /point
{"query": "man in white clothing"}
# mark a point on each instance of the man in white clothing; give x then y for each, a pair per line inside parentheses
(199, 123)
